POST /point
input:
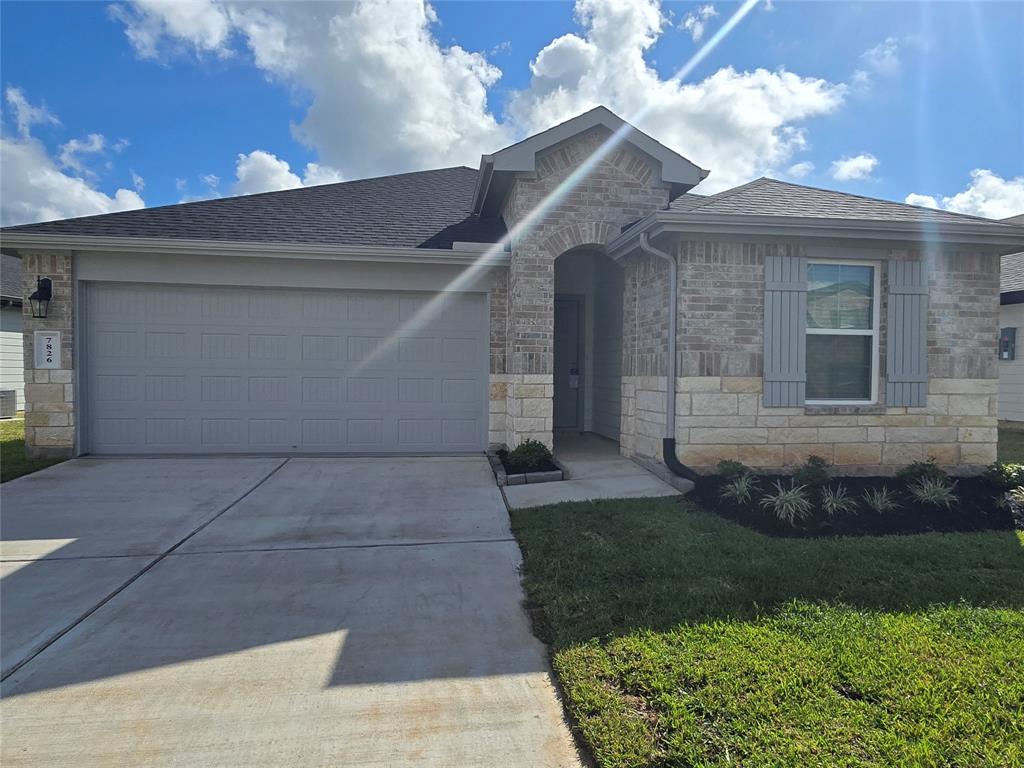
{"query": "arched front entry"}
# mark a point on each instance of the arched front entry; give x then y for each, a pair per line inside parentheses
(587, 343)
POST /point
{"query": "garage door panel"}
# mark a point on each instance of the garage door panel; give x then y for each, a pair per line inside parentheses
(241, 370)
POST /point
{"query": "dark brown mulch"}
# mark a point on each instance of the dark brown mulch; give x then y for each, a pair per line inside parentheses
(518, 469)
(977, 509)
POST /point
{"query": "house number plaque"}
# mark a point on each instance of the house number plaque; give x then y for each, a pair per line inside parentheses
(47, 349)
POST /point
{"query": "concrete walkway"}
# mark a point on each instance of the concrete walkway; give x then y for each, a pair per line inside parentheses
(246, 612)
(596, 471)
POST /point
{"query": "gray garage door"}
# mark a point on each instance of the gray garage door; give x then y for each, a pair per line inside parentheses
(187, 369)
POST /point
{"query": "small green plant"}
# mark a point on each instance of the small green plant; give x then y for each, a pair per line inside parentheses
(529, 453)
(1017, 494)
(881, 501)
(933, 493)
(922, 470)
(788, 504)
(731, 470)
(836, 501)
(741, 489)
(1005, 476)
(814, 473)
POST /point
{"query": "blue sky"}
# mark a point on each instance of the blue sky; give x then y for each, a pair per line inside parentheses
(882, 99)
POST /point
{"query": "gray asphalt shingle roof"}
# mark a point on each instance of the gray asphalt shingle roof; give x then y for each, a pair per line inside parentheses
(1011, 273)
(770, 197)
(10, 276)
(426, 209)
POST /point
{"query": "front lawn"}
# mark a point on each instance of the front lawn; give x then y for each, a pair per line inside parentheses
(1011, 446)
(12, 451)
(684, 639)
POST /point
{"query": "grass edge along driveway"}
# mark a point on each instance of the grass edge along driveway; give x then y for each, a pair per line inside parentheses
(12, 451)
(683, 639)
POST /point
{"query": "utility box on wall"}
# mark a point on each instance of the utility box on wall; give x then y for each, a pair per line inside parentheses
(8, 403)
(1008, 344)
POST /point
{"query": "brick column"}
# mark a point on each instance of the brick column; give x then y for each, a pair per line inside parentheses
(49, 394)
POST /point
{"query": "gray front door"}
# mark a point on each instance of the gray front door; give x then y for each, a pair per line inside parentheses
(205, 369)
(568, 366)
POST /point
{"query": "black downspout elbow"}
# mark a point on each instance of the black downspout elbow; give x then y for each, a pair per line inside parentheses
(668, 451)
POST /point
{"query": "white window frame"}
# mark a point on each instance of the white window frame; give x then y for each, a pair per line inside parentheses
(875, 333)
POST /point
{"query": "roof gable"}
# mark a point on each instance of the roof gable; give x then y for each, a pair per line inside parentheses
(521, 157)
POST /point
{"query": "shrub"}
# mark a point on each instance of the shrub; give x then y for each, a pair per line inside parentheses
(731, 470)
(1017, 494)
(813, 473)
(1005, 476)
(922, 470)
(933, 493)
(881, 500)
(741, 489)
(788, 504)
(836, 501)
(529, 453)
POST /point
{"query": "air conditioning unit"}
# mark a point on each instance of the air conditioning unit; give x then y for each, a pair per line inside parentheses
(8, 403)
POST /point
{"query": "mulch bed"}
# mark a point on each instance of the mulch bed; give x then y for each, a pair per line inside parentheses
(518, 469)
(977, 509)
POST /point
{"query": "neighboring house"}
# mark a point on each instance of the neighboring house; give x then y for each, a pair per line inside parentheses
(12, 374)
(446, 310)
(1011, 321)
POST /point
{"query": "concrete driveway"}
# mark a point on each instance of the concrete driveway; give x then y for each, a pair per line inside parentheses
(251, 611)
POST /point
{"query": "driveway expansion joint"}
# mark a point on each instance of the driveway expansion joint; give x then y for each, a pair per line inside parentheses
(28, 659)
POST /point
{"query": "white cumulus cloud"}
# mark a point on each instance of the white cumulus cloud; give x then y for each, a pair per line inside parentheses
(696, 22)
(988, 194)
(387, 96)
(33, 186)
(799, 170)
(261, 171)
(884, 58)
(856, 168)
(70, 153)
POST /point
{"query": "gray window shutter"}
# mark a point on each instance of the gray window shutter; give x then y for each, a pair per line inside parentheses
(785, 329)
(906, 363)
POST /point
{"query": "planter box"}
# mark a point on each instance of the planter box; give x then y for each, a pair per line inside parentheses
(503, 478)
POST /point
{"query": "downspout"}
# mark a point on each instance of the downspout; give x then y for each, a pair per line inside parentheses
(668, 443)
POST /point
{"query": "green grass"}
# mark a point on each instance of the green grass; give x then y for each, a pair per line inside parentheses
(12, 451)
(1011, 446)
(682, 639)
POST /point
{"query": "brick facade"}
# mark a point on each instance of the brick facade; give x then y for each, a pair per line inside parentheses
(546, 219)
(720, 412)
(50, 417)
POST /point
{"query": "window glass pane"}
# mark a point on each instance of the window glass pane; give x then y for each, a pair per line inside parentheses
(838, 367)
(839, 296)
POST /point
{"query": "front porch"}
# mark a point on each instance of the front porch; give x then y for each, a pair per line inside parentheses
(596, 470)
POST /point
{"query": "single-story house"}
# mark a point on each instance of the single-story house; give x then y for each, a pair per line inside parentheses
(573, 281)
(1011, 319)
(12, 375)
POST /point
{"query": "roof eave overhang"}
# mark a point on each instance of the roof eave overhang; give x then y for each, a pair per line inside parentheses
(492, 256)
(987, 235)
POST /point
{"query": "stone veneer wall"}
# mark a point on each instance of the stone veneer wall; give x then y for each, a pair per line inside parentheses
(719, 410)
(621, 187)
(49, 394)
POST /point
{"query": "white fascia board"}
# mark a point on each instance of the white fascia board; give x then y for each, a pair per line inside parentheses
(988, 235)
(171, 246)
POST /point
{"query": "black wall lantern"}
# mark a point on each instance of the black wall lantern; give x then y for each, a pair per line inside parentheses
(40, 300)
